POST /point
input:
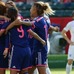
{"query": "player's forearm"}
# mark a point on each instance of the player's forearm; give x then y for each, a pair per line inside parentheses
(54, 28)
(39, 39)
(65, 36)
(4, 17)
(1, 32)
(1, 16)
(22, 22)
(36, 36)
(10, 26)
(26, 23)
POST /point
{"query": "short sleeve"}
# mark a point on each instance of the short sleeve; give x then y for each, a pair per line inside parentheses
(35, 23)
(67, 27)
(47, 20)
(5, 25)
(38, 23)
(48, 23)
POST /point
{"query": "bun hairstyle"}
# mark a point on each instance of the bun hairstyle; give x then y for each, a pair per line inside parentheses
(2, 8)
(43, 8)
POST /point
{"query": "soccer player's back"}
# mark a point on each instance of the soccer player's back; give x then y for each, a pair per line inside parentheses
(20, 48)
(19, 36)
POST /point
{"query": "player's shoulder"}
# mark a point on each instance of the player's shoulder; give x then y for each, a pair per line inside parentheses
(46, 16)
(2, 21)
(71, 22)
(39, 19)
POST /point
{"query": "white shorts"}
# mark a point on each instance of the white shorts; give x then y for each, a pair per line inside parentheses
(71, 52)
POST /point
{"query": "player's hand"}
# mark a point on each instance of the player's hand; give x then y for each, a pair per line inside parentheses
(6, 31)
(71, 43)
(43, 42)
(5, 52)
(57, 29)
(50, 31)
(18, 22)
(6, 18)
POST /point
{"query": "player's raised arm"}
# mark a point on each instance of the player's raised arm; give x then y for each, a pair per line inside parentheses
(19, 22)
(11, 26)
(4, 17)
(27, 23)
(14, 23)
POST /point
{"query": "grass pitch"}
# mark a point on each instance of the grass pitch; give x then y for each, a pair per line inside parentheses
(53, 71)
(60, 71)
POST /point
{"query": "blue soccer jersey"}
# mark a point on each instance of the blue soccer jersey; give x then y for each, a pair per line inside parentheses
(19, 36)
(20, 48)
(41, 29)
(4, 43)
(4, 39)
(39, 54)
(47, 20)
(48, 24)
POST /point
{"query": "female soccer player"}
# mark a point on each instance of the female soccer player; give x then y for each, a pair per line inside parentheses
(4, 44)
(53, 28)
(69, 27)
(40, 52)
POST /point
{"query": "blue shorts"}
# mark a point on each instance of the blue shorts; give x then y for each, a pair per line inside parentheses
(3, 62)
(39, 57)
(20, 58)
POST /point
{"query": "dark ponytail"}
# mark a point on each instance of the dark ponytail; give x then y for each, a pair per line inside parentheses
(12, 13)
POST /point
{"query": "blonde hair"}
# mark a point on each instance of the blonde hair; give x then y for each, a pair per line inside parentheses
(47, 8)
